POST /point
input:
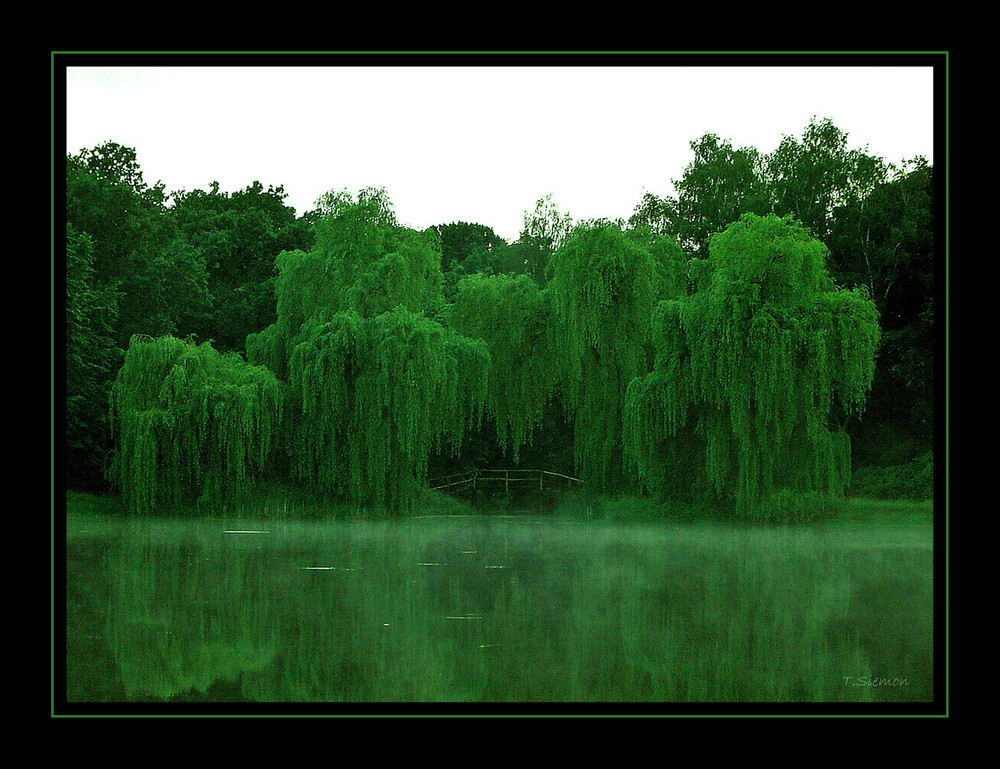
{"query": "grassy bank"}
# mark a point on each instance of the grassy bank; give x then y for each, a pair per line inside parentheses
(852, 510)
(272, 503)
(280, 504)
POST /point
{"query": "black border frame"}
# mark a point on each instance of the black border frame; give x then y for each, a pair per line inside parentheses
(938, 60)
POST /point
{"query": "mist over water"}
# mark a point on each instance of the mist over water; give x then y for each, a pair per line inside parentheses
(496, 608)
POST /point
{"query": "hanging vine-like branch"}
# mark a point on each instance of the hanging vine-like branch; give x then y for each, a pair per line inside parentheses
(603, 288)
(374, 382)
(186, 418)
(513, 319)
(759, 365)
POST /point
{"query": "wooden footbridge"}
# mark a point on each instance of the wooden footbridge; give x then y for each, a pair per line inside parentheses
(476, 479)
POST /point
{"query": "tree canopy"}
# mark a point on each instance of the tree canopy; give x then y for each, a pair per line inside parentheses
(92, 358)
(603, 288)
(185, 417)
(721, 345)
(756, 369)
(375, 381)
(513, 318)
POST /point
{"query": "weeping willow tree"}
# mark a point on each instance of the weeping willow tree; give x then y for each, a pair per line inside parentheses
(363, 262)
(511, 315)
(374, 382)
(322, 372)
(462, 403)
(603, 288)
(360, 250)
(375, 396)
(187, 418)
(402, 405)
(355, 231)
(755, 373)
(409, 276)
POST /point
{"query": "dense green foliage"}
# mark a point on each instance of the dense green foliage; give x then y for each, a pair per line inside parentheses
(187, 418)
(757, 368)
(721, 345)
(372, 397)
(375, 381)
(885, 241)
(140, 261)
(604, 285)
(911, 480)
(721, 184)
(236, 237)
(513, 317)
(91, 357)
(875, 218)
(469, 249)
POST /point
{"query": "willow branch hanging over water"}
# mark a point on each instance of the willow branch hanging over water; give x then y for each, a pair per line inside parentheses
(374, 396)
(401, 405)
(757, 368)
(185, 417)
(375, 383)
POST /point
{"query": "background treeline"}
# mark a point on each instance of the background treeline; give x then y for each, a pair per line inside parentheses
(319, 327)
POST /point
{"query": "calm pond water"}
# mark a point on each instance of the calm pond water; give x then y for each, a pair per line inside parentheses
(495, 608)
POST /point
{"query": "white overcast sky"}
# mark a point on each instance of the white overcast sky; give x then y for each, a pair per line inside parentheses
(477, 143)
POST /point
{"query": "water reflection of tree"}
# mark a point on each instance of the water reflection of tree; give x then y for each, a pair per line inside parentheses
(187, 610)
(517, 611)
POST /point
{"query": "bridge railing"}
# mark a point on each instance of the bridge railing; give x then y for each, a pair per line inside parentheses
(487, 478)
